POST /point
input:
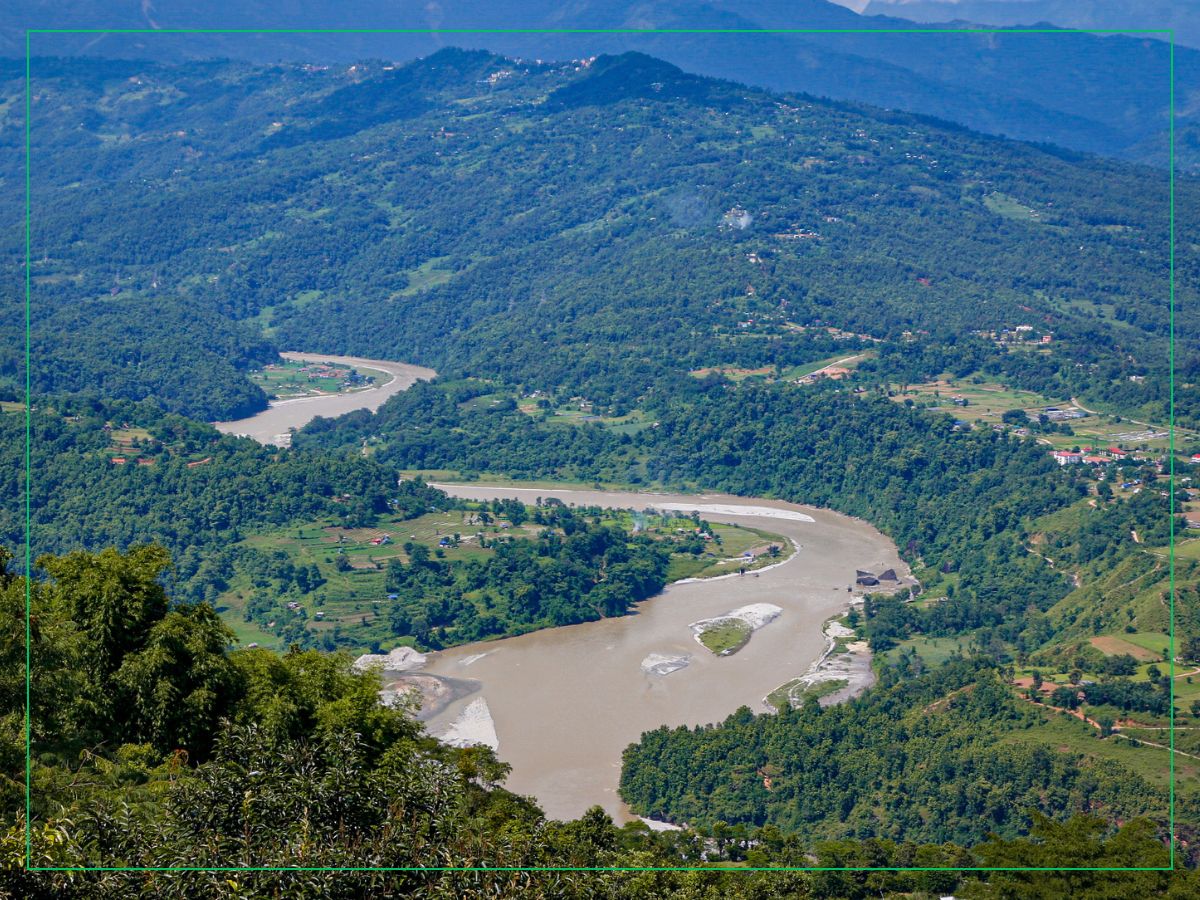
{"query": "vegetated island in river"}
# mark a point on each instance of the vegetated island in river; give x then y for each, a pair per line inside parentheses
(727, 634)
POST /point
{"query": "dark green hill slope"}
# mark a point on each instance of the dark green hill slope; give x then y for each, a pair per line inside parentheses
(541, 221)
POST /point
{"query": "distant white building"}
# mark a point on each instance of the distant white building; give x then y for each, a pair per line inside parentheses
(1066, 457)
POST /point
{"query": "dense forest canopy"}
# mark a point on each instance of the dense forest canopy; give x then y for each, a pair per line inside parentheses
(600, 212)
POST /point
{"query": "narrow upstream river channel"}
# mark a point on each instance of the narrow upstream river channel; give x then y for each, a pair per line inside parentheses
(271, 426)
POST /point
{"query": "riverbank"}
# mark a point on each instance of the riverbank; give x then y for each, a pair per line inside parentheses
(841, 673)
(274, 425)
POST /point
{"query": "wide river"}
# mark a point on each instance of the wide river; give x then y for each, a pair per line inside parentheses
(565, 702)
(271, 425)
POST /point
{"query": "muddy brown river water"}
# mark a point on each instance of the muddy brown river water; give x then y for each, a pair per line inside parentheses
(565, 702)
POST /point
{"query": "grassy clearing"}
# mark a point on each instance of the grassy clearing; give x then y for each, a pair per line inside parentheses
(733, 373)
(1111, 645)
(985, 401)
(1155, 642)
(428, 275)
(1011, 208)
(246, 633)
(1188, 549)
(1186, 691)
(629, 423)
(933, 650)
(1067, 734)
(725, 554)
(128, 440)
(845, 360)
(574, 416)
(314, 377)
(724, 637)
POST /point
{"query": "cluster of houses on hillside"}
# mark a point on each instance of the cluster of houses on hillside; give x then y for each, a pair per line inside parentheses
(1019, 334)
(1091, 457)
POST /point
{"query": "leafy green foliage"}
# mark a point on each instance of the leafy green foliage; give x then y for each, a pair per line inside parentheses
(575, 571)
(917, 758)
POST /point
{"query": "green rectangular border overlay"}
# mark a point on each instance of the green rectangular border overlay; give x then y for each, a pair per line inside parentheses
(1168, 34)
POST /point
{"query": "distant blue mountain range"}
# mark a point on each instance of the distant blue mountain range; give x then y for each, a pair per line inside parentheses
(1105, 95)
(1183, 16)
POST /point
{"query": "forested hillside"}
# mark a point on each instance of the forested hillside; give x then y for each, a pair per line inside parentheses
(553, 223)
(942, 771)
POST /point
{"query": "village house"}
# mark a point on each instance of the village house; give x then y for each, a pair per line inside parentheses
(1066, 457)
(870, 579)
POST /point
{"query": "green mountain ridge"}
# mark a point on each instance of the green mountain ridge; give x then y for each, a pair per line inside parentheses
(709, 203)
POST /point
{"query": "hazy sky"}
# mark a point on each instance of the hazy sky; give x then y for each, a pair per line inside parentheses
(860, 5)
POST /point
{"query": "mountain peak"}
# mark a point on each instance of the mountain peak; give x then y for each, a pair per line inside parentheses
(611, 79)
